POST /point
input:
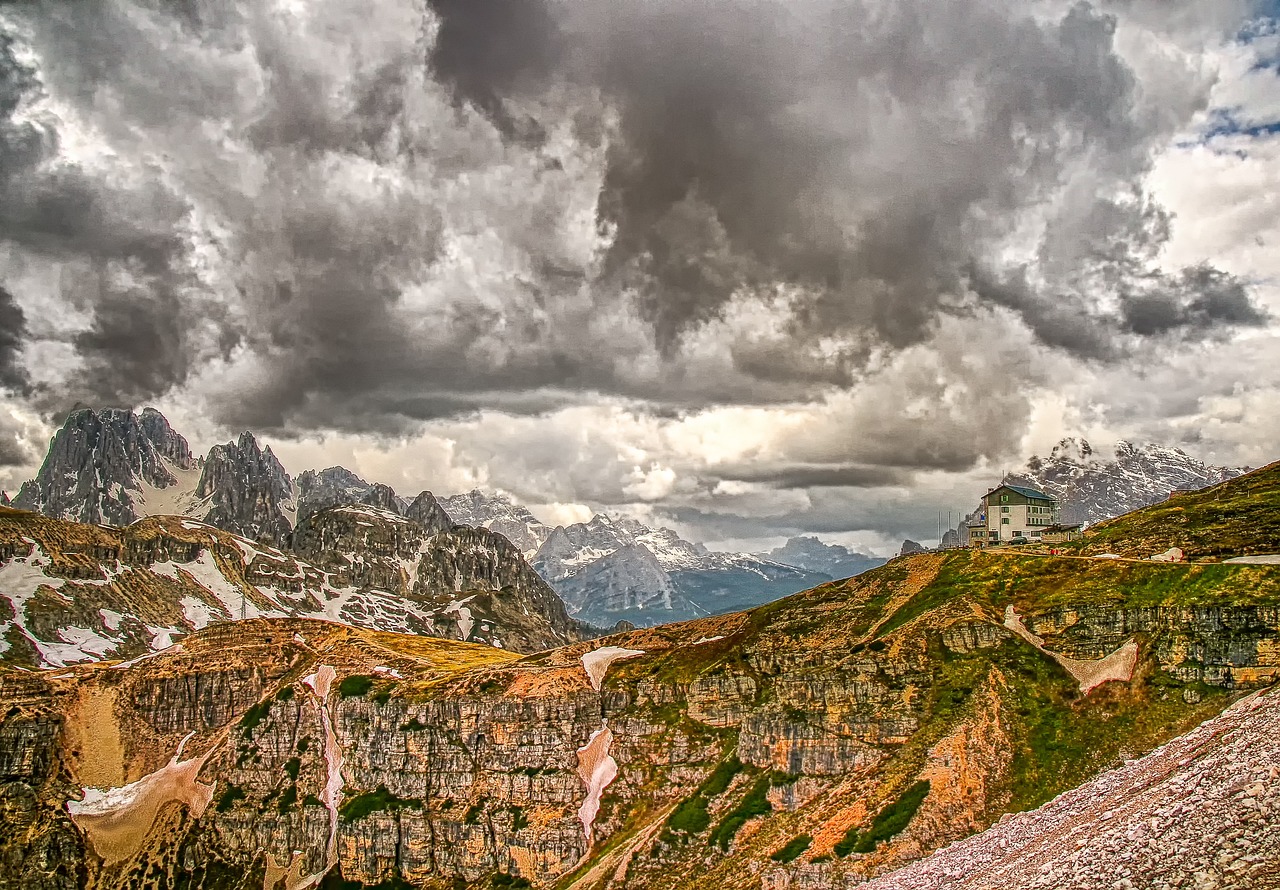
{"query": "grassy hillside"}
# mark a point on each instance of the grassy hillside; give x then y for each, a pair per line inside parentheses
(1234, 518)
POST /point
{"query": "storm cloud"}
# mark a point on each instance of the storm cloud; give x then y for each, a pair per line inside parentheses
(419, 220)
(371, 218)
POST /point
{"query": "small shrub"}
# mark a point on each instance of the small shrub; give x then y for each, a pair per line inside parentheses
(845, 845)
(378, 800)
(228, 798)
(519, 821)
(893, 818)
(312, 801)
(414, 725)
(691, 816)
(292, 767)
(255, 715)
(756, 803)
(285, 694)
(502, 879)
(474, 813)
(355, 686)
(794, 848)
(287, 799)
(718, 782)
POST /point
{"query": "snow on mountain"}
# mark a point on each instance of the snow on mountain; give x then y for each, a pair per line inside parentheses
(497, 512)
(113, 467)
(72, 592)
(615, 568)
(1091, 488)
(810, 553)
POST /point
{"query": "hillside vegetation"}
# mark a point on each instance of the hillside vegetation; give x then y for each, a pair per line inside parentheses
(1238, 517)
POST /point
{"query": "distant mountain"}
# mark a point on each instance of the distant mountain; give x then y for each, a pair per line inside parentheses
(616, 568)
(74, 592)
(247, 491)
(818, 556)
(496, 512)
(113, 467)
(1091, 488)
(382, 562)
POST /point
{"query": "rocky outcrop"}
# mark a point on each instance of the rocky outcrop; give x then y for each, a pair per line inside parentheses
(1199, 812)
(815, 555)
(248, 491)
(909, 547)
(500, 514)
(427, 512)
(71, 593)
(474, 583)
(317, 489)
(101, 464)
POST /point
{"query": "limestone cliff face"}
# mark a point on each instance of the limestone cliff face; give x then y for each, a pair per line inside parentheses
(71, 593)
(473, 582)
(823, 716)
(100, 463)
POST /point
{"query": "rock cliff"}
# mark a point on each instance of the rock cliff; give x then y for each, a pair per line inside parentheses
(71, 592)
(820, 741)
(247, 491)
(110, 466)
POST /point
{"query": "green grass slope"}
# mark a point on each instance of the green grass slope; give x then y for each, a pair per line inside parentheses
(1234, 518)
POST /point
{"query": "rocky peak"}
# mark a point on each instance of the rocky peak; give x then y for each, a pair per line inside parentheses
(497, 512)
(1090, 488)
(248, 491)
(909, 546)
(427, 512)
(100, 463)
(317, 489)
(815, 555)
(383, 497)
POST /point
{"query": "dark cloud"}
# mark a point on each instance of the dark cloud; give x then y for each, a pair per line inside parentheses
(122, 257)
(1200, 300)
(818, 476)
(360, 217)
(13, 329)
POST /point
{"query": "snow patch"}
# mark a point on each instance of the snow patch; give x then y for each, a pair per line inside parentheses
(597, 661)
(1090, 673)
(117, 820)
(1262, 559)
(597, 770)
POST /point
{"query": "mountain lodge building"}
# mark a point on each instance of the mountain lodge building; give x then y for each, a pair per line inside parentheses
(1014, 511)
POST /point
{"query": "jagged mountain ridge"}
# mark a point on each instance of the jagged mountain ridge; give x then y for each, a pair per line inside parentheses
(1091, 488)
(71, 592)
(497, 512)
(105, 467)
(615, 568)
(810, 553)
(817, 742)
(243, 488)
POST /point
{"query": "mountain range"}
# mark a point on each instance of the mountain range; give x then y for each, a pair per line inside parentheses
(1091, 488)
(115, 467)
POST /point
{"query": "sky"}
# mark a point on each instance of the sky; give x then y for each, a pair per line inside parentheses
(748, 268)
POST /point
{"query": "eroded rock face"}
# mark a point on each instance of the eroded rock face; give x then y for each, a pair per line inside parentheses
(248, 491)
(99, 463)
(472, 584)
(459, 762)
